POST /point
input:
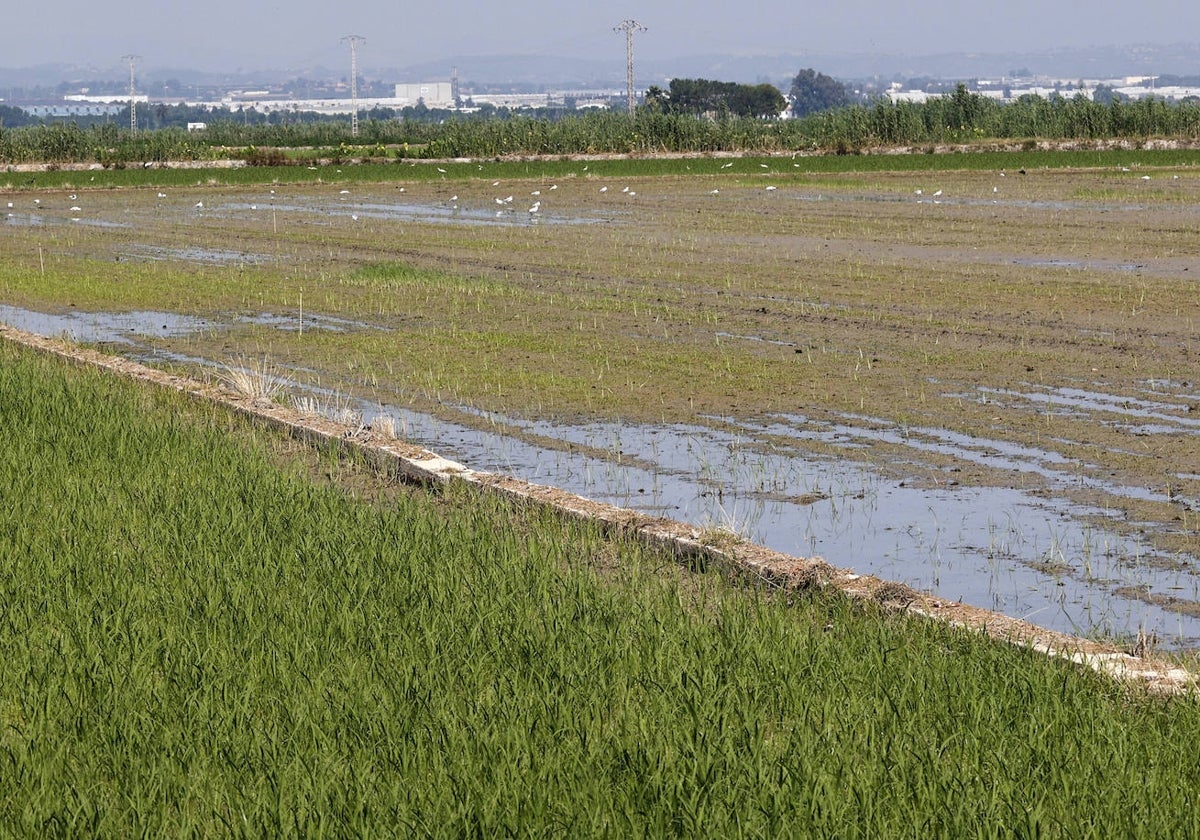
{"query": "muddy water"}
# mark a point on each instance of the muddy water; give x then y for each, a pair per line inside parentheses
(1032, 555)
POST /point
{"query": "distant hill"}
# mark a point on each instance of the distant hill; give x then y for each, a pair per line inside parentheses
(558, 72)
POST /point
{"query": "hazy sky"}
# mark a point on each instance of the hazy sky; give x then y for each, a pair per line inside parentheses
(261, 34)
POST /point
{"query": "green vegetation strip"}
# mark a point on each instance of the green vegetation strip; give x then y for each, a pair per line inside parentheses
(205, 635)
(980, 159)
(963, 118)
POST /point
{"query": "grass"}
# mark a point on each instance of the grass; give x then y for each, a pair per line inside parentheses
(208, 631)
(647, 166)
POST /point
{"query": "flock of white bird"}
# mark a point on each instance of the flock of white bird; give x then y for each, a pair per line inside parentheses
(504, 204)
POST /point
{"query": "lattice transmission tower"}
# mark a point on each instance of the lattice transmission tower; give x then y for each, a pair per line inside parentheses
(354, 41)
(629, 27)
(132, 104)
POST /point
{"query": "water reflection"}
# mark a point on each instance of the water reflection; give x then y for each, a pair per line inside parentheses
(1037, 557)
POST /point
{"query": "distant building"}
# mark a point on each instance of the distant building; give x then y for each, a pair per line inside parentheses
(66, 110)
(512, 100)
(433, 94)
(106, 99)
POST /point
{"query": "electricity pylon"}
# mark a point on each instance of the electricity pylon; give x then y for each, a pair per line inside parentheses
(629, 27)
(354, 40)
(132, 105)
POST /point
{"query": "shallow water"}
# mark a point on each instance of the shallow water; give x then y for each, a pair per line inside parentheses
(475, 212)
(103, 327)
(1028, 555)
(127, 327)
(209, 256)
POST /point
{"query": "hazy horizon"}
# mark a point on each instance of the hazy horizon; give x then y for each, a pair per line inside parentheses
(222, 35)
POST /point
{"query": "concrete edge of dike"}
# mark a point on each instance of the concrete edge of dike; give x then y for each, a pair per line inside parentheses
(689, 544)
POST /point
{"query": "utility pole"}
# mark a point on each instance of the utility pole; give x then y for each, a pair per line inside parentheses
(354, 40)
(132, 105)
(629, 27)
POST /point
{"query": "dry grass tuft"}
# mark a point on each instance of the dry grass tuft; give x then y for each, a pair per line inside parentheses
(259, 380)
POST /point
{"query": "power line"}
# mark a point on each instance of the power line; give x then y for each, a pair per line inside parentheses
(354, 41)
(629, 27)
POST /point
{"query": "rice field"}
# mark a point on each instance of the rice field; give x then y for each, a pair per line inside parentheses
(938, 333)
(212, 630)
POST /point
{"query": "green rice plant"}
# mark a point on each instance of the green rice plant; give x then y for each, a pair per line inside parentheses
(231, 643)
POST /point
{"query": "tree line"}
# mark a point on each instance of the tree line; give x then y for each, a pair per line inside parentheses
(962, 117)
(704, 97)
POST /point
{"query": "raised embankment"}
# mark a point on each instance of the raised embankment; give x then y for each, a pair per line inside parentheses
(767, 567)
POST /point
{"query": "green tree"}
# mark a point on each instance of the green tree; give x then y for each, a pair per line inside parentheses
(704, 96)
(812, 92)
(657, 100)
(1106, 95)
(762, 100)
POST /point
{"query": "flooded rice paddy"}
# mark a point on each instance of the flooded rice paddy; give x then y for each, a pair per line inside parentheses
(1025, 512)
(1029, 554)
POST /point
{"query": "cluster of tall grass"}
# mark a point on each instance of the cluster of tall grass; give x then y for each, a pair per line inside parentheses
(201, 639)
(65, 142)
(967, 117)
(961, 118)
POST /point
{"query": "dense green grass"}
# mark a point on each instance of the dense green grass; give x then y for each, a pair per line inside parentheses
(200, 641)
(633, 167)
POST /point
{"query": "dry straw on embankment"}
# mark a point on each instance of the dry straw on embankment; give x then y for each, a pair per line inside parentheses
(692, 546)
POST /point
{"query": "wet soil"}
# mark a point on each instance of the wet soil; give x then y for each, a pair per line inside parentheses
(1028, 333)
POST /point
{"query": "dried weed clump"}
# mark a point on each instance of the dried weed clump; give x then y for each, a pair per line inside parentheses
(890, 592)
(258, 380)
